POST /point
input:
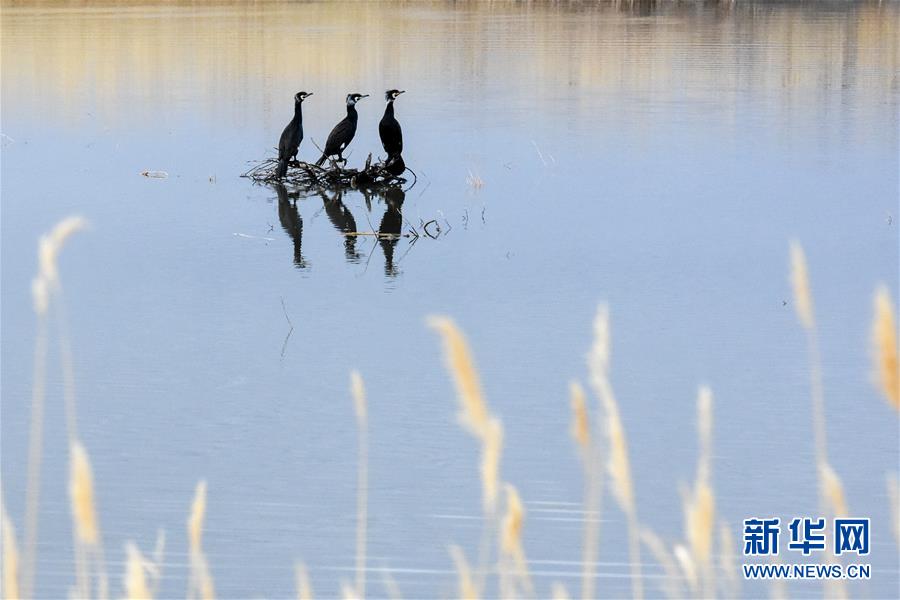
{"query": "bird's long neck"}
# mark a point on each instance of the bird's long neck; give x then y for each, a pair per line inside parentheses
(298, 112)
(351, 112)
(389, 109)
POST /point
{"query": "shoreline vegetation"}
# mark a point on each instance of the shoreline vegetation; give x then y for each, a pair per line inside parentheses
(703, 564)
(142, 50)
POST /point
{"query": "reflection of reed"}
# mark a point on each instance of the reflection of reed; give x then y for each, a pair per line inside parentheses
(234, 59)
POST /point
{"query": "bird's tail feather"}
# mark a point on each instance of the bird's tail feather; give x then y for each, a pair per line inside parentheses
(321, 160)
(282, 167)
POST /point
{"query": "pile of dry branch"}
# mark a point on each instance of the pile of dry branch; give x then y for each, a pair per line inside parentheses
(332, 175)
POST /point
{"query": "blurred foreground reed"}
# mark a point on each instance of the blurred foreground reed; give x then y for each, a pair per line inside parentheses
(600, 439)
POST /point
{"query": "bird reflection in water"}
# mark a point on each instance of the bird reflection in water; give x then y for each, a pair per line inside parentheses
(387, 235)
(291, 221)
(390, 227)
(342, 219)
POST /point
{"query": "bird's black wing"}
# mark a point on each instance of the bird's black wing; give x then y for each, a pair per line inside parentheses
(284, 141)
(341, 135)
(391, 136)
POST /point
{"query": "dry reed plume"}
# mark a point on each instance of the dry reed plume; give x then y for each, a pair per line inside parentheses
(689, 563)
(362, 485)
(136, 586)
(10, 556)
(559, 592)
(465, 581)
(511, 547)
(884, 341)
(831, 491)
(200, 584)
(88, 559)
(671, 583)
(581, 433)
(699, 504)
(44, 287)
(618, 464)
(304, 588)
(81, 491)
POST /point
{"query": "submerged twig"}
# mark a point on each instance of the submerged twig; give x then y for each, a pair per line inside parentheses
(290, 331)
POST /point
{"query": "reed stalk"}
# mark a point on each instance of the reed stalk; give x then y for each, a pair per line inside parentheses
(699, 504)
(728, 562)
(618, 465)
(511, 546)
(200, 584)
(884, 343)
(135, 579)
(589, 452)
(476, 418)
(893, 492)
(468, 590)
(10, 556)
(670, 584)
(304, 588)
(362, 483)
(44, 287)
(831, 495)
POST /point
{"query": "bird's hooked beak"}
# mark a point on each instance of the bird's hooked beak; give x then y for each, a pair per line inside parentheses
(361, 96)
(308, 94)
(401, 92)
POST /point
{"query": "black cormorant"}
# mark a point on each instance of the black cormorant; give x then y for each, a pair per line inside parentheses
(389, 128)
(342, 134)
(292, 135)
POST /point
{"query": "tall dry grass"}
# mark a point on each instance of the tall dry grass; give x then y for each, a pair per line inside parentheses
(589, 450)
(362, 484)
(703, 564)
(884, 342)
(617, 445)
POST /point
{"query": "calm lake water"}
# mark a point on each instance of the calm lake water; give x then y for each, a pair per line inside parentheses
(657, 158)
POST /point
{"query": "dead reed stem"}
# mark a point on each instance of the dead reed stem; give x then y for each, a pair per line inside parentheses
(35, 457)
(670, 583)
(619, 468)
(476, 418)
(593, 484)
(200, 584)
(10, 556)
(728, 562)
(135, 579)
(559, 592)
(700, 503)
(45, 285)
(511, 547)
(831, 495)
(304, 588)
(467, 588)
(893, 491)
(803, 304)
(84, 517)
(884, 342)
(362, 485)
